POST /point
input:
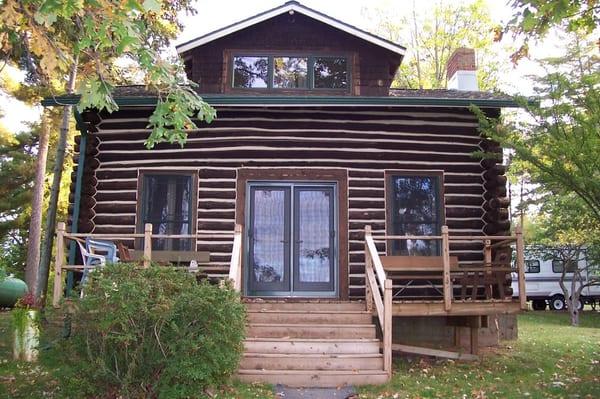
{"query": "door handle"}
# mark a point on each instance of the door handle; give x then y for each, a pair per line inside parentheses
(285, 241)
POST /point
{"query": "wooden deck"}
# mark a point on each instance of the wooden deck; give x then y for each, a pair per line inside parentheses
(459, 308)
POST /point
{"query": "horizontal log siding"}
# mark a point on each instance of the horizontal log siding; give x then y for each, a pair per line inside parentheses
(364, 141)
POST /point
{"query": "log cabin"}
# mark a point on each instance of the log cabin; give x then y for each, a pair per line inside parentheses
(354, 219)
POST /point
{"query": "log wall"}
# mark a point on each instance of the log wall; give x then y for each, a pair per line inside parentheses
(364, 141)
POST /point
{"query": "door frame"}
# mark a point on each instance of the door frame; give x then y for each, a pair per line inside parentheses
(291, 190)
(298, 175)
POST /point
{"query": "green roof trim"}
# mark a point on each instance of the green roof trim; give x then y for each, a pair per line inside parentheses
(220, 100)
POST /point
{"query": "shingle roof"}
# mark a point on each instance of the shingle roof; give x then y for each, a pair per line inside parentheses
(140, 95)
(448, 93)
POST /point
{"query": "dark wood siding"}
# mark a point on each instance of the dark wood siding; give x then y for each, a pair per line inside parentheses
(372, 68)
(362, 141)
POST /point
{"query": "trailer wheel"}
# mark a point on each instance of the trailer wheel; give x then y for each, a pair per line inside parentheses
(538, 304)
(557, 302)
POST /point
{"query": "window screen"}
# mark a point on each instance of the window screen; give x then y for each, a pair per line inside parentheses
(414, 203)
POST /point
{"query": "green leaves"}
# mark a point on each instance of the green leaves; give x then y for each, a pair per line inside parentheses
(156, 332)
(556, 142)
(96, 93)
(97, 36)
(534, 18)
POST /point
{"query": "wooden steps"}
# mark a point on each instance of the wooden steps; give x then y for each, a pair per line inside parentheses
(311, 344)
(314, 378)
(267, 330)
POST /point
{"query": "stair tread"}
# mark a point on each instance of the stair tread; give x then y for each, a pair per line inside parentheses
(331, 325)
(285, 339)
(315, 355)
(292, 311)
(314, 371)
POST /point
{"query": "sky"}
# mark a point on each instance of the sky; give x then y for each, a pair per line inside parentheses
(213, 15)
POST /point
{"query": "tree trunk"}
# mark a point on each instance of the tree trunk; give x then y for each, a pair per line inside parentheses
(575, 294)
(46, 254)
(37, 198)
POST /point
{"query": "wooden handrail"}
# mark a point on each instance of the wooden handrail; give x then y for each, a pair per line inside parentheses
(374, 255)
(405, 237)
(452, 238)
(373, 295)
(125, 236)
(235, 266)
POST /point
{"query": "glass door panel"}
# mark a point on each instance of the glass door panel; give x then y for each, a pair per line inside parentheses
(269, 239)
(313, 239)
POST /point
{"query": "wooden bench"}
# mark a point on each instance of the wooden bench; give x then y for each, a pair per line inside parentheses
(430, 268)
(173, 256)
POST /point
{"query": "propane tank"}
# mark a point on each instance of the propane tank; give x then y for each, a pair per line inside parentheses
(11, 289)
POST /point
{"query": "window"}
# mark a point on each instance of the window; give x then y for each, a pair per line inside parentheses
(290, 73)
(558, 266)
(296, 72)
(414, 206)
(167, 203)
(250, 72)
(330, 72)
(532, 266)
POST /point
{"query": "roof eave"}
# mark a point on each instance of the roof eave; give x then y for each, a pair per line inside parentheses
(290, 101)
(287, 7)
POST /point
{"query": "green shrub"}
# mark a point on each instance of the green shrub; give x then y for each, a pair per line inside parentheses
(157, 332)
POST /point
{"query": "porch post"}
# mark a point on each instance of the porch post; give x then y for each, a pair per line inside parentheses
(520, 266)
(368, 265)
(387, 327)
(446, 260)
(58, 264)
(147, 244)
(487, 256)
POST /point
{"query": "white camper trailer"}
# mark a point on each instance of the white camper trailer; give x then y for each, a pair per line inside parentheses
(542, 285)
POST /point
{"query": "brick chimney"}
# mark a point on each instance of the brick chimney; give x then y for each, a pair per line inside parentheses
(461, 71)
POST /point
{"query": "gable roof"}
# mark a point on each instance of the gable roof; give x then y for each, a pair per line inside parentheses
(291, 7)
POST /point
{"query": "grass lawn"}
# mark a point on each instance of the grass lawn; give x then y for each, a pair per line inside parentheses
(550, 359)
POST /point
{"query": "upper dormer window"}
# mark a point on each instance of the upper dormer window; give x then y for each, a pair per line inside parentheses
(295, 72)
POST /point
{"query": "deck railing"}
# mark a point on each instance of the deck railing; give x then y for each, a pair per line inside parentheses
(378, 292)
(372, 260)
(62, 236)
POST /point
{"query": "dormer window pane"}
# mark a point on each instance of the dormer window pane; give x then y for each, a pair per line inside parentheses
(290, 72)
(250, 72)
(331, 73)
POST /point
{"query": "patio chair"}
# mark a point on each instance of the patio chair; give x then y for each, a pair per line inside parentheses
(90, 262)
(100, 247)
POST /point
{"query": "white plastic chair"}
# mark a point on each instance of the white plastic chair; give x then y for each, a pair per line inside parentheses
(90, 262)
